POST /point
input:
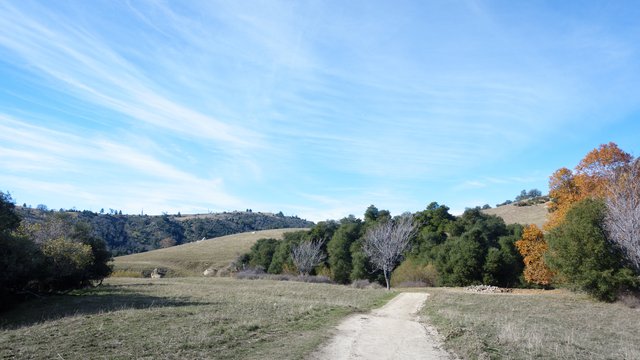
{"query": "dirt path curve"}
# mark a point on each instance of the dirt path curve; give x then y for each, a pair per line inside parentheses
(390, 332)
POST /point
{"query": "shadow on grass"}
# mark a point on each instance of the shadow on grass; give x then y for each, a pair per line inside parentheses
(97, 300)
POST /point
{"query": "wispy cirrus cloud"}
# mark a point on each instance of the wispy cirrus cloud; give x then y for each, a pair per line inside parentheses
(212, 103)
(86, 67)
(55, 161)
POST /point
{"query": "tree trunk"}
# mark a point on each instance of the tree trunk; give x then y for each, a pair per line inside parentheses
(386, 278)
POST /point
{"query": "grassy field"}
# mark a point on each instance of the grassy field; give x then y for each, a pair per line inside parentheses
(182, 318)
(534, 214)
(193, 258)
(533, 325)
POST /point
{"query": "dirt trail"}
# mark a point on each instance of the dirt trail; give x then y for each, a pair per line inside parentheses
(390, 332)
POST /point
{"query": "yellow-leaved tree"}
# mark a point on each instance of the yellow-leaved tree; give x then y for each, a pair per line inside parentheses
(532, 247)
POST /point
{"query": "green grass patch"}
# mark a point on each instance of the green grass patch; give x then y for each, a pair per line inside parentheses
(533, 325)
(182, 318)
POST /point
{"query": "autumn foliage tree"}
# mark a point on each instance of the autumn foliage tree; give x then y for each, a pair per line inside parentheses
(590, 178)
(532, 247)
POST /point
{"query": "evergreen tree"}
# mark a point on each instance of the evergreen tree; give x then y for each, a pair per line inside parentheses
(339, 249)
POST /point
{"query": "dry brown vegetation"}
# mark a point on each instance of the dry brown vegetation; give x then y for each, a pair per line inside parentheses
(185, 318)
(533, 324)
(525, 215)
(193, 258)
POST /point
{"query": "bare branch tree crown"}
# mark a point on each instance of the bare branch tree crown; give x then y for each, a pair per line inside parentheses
(385, 242)
(307, 256)
(622, 219)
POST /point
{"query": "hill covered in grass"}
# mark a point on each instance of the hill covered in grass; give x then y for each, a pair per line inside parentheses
(129, 234)
(514, 214)
(193, 258)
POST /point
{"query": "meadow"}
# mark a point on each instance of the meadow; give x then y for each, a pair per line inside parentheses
(185, 318)
(533, 324)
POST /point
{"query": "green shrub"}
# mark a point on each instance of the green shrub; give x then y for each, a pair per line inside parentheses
(261, 253)
(411, 270)
(460, 261)
(99, 267)
(67, 264)
(478, 248)
(583, 257)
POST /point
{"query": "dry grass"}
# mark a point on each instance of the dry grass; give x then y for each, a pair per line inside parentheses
(186, 318)
(525, 215)
(533, 325)
(193, 258)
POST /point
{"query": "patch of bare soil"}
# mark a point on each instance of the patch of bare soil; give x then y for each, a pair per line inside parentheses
(390, 332)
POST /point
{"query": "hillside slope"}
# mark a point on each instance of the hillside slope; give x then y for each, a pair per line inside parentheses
(511, 214)
(193, 258)
(129, 234)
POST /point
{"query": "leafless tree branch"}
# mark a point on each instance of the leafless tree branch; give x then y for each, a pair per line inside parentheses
(307, 255)
(622, 219)
(385, 242)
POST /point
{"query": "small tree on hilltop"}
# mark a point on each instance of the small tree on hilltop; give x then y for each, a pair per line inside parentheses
(307, 256)
(622, 218)
(385, 242)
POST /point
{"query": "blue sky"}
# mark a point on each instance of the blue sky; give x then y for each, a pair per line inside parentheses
(313, 108)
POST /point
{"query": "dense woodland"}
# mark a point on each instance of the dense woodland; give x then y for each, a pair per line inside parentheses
(128, 234)
(445, 250)
(591, 242)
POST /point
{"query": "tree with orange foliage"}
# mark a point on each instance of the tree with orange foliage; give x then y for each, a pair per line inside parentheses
(590, 179)
(532, 247)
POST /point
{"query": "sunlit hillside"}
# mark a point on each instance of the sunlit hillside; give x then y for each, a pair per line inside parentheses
(193, 258)
(511, 214)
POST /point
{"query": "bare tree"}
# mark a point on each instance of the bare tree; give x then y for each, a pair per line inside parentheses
(385, 242)
(622, 219)
(307, 255)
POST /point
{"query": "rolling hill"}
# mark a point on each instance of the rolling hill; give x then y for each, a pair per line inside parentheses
(192, 259)
(130, 234)
(511, 214)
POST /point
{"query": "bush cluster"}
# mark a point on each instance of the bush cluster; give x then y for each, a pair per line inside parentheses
(49, 257)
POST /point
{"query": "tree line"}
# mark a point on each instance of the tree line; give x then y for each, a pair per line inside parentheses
(440, 249)
(591, 242)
